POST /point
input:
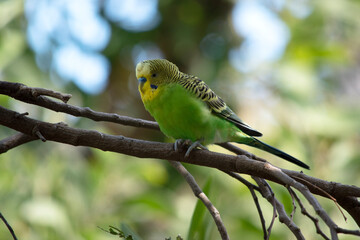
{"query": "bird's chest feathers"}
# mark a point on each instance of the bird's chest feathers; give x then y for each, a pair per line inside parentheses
(179, 113)
(147, 92)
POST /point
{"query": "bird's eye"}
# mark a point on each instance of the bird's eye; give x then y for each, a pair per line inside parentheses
(154, 75)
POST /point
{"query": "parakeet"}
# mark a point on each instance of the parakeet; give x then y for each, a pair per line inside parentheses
(187, 109)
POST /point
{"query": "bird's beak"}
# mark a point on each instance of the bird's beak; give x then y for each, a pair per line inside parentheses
(142, 80)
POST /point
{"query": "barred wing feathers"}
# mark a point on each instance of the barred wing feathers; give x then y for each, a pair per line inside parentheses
(215, 103)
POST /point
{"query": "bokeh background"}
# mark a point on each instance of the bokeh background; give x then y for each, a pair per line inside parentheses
(289, 68)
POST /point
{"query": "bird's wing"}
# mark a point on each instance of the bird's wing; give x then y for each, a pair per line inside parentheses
(215, 103)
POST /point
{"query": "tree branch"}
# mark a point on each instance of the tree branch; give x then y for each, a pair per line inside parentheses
(33, 96)
(345, 195)
(252, 189)
(306, 213)
(202, 196)
(279, 207)
(14, 141)
(30, 129)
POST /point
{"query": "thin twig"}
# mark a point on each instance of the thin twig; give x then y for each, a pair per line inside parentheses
(283, 217)
(266, 189)
(293, 203)
(267, 192)
(46, 92)
(201, 195)
(36, 132)
(288, 181)
(8, 226)
(274, 203)
(346, 231)
(329, 196)
(306, 213)
(306, 193)
(251, 188)
(273, 218)
(242, 180)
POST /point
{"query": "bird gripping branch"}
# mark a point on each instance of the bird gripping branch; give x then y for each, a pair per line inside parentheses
(187, 109)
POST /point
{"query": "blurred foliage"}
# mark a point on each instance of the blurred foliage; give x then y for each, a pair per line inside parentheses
(306, 103)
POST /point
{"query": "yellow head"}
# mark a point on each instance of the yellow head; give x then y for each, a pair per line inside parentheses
(152, 75)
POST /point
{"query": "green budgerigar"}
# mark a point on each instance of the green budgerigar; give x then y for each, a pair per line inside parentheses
(187, 109)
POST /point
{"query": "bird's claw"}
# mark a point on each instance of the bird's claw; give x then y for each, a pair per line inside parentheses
(177, 143)
(192, 146)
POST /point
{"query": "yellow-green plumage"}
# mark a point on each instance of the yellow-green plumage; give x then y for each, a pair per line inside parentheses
(186, 108)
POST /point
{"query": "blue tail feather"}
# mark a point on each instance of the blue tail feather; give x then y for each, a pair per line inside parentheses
(263, 146)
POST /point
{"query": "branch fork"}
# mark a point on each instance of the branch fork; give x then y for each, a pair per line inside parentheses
(244, 163)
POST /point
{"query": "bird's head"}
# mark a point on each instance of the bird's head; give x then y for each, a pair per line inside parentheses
(154, 73)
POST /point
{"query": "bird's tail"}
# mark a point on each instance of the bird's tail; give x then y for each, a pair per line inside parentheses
(263, 146)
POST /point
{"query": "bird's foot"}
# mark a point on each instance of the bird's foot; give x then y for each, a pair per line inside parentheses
(192, 146)
(178, 143)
